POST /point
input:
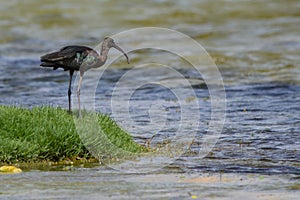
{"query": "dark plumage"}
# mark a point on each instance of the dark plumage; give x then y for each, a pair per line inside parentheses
(79, 58)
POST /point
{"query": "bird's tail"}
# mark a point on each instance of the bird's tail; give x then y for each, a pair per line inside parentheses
(51, 60)
(49, 64)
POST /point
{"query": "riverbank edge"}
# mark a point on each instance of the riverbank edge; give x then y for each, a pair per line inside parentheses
(46, 136)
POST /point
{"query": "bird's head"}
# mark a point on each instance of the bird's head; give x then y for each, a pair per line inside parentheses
(109, 43)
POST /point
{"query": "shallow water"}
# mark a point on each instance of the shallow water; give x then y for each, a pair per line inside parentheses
(103, 183)
(255, 45)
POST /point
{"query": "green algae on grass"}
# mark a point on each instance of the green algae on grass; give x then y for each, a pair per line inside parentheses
(46, 133)
(295, 186)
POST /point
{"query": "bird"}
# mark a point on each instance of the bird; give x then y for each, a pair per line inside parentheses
(79, 58)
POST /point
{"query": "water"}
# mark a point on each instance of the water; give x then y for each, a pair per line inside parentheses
(104, 183)
(255, 45)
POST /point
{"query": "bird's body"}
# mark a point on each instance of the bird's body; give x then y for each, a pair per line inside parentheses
(79, 58)
(76, 58)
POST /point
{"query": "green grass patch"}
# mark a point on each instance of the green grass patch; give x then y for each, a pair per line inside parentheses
(50, 134)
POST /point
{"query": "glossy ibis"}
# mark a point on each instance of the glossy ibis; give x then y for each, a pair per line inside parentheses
(79, 58)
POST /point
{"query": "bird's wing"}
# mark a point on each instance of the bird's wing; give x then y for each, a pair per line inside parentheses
(73, 51)
(70, 51)
(67, 53)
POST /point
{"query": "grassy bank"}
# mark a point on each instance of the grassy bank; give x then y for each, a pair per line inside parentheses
(50, 134)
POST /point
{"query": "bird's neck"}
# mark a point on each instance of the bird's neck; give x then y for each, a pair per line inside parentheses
(103, 54)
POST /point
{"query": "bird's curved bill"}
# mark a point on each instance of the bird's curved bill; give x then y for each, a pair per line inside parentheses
(119, 48)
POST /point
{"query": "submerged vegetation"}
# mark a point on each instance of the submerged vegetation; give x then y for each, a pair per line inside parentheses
(50, 134)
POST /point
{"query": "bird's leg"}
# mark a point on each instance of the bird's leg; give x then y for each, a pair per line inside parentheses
(78, 93)
(69, 91)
